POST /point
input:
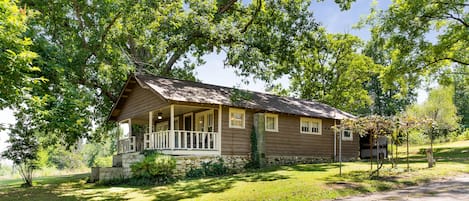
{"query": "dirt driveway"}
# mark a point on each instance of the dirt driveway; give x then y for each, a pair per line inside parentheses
(455, 188)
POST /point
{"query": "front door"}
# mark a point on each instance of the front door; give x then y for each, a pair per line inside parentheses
(188, 122)
(204, 122)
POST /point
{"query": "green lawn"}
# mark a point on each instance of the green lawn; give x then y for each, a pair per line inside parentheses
(300, 182)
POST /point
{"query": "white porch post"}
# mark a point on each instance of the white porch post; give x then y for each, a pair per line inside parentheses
(151, 143)
(150, 122)
(171, 130)
(335, 140)
(118, 139)
(219, 129)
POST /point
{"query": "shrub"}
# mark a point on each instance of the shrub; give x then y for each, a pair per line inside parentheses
(211, 168)
(103, 161)
(464, 135)
(155, 168)
(418, 138)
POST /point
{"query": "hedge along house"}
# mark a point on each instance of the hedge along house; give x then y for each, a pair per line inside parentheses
(197, 122)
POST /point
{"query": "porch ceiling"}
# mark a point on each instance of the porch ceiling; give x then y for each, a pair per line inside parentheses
(178, 110)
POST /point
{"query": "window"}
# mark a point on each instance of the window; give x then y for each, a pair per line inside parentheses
(271, 122)
(162, 126)
(347, 135)
(237, 117)
(310, 126)
(204, 121)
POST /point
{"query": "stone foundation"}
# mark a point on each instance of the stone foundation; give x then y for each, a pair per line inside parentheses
(186, 163)
(121, 166)
(117, 160)
(106, 173)
(128, 159)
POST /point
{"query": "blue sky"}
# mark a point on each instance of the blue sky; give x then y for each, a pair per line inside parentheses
(213, 72)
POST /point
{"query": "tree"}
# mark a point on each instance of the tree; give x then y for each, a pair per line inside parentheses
(87, 48)
(461, 93)
(438, 113)
(23, 149)
(329, 68)
(15, 56)
(390, 94)
(440, 107)
(422, 36)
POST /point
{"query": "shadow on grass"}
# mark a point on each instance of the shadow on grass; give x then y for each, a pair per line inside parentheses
(322, 167)
(361, 181)
(52, 188)
(195, 188)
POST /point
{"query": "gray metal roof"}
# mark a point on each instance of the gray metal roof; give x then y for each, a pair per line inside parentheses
(194, 92)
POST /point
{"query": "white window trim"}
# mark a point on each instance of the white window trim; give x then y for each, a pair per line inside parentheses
(319, 121)
(347, 138)
(275, 116)
(235, 110)
(206, 125)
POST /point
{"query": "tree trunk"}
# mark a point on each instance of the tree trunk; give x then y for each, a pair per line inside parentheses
(377, 157)
(371, 152)
(392, 154)
(397, 155)
(408, 166)
(430, 152)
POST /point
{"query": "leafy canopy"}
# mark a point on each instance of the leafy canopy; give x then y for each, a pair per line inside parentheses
(16, 67)
(86, 49)
(422, 36)
(331, 69)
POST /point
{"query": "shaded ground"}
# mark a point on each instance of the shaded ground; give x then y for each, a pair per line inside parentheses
(455, 188)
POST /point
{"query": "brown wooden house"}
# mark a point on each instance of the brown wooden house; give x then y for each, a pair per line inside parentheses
(184, 118)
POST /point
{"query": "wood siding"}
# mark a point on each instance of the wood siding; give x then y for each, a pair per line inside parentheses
(140, 101)
(236, 141)
(288, 141)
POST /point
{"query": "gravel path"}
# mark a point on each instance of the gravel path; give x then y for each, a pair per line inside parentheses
(455, 188)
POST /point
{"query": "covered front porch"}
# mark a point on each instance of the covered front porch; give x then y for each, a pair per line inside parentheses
(174, 129)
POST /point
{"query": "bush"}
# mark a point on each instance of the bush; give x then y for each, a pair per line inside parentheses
(103, 161)
(464, 135)
(155, 168)
(418, 138)
(210, 168)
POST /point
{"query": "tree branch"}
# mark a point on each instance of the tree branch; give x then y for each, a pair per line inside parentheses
(456, 4)
(108, 27)
(442, 59)
(76, 7)
(259, 6)
(226, 6)
(169, 65)
(96, 85)
(450, 16)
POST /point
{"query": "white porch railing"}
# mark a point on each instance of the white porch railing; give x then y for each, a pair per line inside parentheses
(181, 140)
(126, 145)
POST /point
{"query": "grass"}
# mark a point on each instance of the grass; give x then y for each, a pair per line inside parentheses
(299, 182)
